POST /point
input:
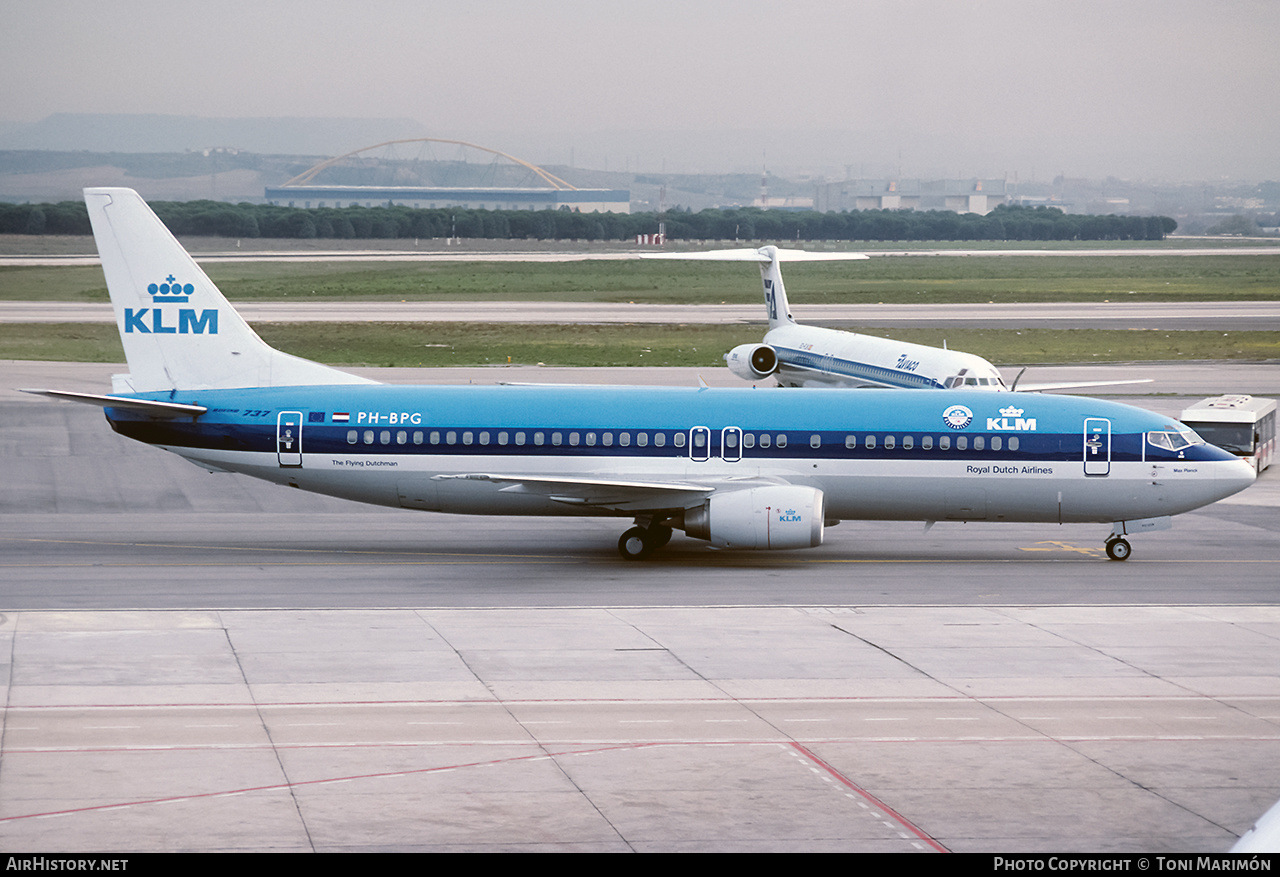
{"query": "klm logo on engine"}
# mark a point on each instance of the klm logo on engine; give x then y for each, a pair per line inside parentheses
(789, 515)
(1011, 420)
(157, 321)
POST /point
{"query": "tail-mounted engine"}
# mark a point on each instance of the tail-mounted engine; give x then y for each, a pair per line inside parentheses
(751, 362)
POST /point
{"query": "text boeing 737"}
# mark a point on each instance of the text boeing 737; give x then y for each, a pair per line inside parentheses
(741, 468)
(811, 356)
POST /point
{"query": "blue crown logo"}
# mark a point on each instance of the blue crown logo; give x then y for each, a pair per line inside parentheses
(170, 291)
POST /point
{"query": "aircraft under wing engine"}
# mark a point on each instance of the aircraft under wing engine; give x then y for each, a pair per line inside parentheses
(811, 356)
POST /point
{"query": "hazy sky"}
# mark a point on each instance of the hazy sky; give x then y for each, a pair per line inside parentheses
(1136, 88)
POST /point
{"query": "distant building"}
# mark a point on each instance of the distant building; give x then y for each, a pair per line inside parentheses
(478, 198)
(961, 196)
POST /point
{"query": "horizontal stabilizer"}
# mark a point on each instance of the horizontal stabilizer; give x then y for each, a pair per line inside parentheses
(168, 410)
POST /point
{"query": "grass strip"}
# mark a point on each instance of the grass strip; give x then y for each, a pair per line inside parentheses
(470, 344)
(892, 280)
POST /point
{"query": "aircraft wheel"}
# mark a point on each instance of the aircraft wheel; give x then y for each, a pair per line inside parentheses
(636, 544)
(1119, 549)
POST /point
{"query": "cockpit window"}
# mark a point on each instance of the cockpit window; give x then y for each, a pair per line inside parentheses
(1173, 439)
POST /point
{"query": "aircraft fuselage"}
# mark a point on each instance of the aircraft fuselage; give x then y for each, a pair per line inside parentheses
(882, 454)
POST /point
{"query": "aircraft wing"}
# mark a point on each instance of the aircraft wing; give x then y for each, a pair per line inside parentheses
(749, 254)
(603, 493)
(167, 410)
(1039, 388)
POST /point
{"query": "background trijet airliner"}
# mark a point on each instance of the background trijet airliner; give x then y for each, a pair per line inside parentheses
(741, 468)
(811, 356)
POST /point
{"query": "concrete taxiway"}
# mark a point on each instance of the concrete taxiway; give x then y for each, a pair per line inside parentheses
(205, 662)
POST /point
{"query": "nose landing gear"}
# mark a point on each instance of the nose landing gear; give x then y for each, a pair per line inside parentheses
(1118, 548)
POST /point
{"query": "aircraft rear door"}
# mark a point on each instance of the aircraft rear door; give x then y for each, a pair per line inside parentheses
(289, 439)
(1097, 446)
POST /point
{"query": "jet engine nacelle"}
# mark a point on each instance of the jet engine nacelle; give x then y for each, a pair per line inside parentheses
(780, 516)
(751, 362)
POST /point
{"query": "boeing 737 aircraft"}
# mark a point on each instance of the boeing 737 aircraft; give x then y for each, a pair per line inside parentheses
(740, 468)
(811, 356)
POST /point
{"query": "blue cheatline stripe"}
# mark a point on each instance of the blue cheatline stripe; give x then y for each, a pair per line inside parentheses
(336, 440)
(792, 358)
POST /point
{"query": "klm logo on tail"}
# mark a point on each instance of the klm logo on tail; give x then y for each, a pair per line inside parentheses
(189, 322)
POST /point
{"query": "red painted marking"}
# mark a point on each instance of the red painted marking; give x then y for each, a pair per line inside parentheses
(863, 793)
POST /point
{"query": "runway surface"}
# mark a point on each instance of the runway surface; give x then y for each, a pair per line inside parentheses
(203, 662)
(1224, 316)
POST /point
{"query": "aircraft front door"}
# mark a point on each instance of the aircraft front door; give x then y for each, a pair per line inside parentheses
(1097, 446)
(289, 439)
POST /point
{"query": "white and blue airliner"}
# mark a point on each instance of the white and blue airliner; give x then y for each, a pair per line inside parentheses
(741, 468)
(797, 355)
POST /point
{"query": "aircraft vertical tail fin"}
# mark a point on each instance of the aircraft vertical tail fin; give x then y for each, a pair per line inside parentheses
(775, 294)
(776, 305)
(178, 330)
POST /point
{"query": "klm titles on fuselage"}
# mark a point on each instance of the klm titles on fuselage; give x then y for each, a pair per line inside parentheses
(162, 322)
(1011, 420)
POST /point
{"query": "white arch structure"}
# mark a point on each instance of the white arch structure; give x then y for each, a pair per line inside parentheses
(551, 179)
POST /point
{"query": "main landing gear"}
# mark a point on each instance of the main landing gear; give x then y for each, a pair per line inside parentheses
(641, 541)
(1118, 548)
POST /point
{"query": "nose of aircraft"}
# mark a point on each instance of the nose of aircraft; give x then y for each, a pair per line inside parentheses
(1234, 476)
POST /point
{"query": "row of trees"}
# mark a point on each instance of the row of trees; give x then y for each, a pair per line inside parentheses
(749, 224)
